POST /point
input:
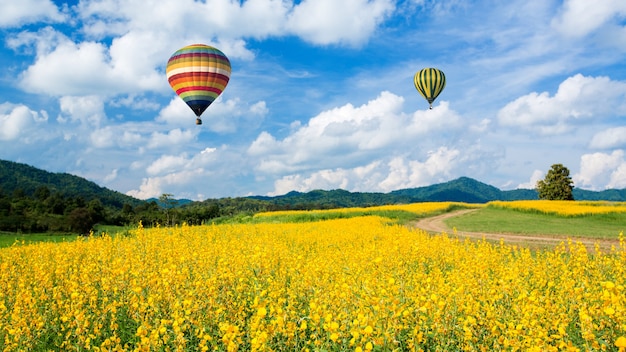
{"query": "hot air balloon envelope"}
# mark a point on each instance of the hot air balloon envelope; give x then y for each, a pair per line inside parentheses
(429, 82)
(198, 73)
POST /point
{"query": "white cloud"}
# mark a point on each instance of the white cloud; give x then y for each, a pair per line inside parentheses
(153, 187)
(223, 116)
(233, 115)
(374, 147)
(322, 179)
(63, 67)
(532, 183)
(21, 12)
(438, 165)
(167, 163)
(176, 113)
(337, 22)
(614, 137)
(111, 176)
(343, 136)
(618, 178)
(600, 171)
(174, 137)
(581, 17)
(323, 22)
(17, 120)
(579, 99)
(135, 103)
(388, 174)
(103, 137)
(123, 136)
(88, 110)
(177, 174)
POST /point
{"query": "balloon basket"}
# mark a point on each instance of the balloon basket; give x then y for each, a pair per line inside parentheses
(198, 122)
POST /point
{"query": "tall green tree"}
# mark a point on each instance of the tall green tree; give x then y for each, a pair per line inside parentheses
(168, 203)
(557, 185)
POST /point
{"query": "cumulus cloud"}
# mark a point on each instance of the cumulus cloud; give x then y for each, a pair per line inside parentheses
(22, 12)
(17, 120)
(66, 67)
(323, 22)
(171, 138)
(614, 137)
(346, 135)
(135, 103)
(175, 172)
(414, 173)
(392, 173)
(63, 67)
(579, 99)
(223, 116)
(532, 183)
(87, 110)
(600, 171)
(336, 22)
(581, 17)
(116, 136)
(153, 187)
(167, 163)
(374, 147)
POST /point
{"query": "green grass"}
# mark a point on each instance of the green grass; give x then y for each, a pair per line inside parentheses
(7, 239)
(113, 230)
(498, 220)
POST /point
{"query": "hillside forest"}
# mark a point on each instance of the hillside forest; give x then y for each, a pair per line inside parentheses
(48, 211)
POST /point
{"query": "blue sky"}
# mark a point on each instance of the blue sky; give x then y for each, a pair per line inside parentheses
(321, 94)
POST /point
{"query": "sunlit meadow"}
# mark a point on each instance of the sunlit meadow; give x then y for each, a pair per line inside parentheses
(351, 284)
(564, 207)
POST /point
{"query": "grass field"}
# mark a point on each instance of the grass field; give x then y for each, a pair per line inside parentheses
(503, 220)
(8, 239)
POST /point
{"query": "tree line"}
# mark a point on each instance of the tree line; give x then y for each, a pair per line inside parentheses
(45, 210)
(48, 211)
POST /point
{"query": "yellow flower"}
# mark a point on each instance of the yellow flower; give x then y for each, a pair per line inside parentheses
(262, 312)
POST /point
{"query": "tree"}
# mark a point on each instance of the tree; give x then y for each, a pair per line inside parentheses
(557, 185)
(168, 203)
(81, 221)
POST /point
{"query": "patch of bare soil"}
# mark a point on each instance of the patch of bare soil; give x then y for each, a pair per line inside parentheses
(437, 224)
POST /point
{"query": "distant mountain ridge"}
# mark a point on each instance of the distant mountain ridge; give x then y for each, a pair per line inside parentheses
(464, 189)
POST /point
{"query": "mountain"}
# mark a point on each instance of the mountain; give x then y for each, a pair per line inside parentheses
(463, 189)
(27, 179)
(337, 198)
(614, 195)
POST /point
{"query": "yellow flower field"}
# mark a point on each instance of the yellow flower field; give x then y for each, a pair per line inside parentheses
(356, 284)
(564, 207)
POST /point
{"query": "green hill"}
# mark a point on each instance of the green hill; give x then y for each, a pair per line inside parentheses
(27, 179)
(463, 189)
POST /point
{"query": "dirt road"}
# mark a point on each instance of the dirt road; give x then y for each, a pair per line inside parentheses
(437, 224)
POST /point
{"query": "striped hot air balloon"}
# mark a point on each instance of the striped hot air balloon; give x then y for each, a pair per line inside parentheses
(198, 73)
(429, 82)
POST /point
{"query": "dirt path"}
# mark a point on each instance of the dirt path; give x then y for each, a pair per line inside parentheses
(437, 224)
